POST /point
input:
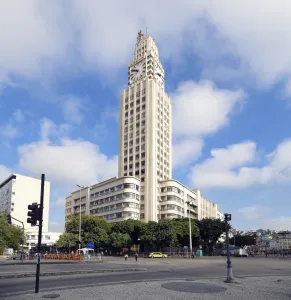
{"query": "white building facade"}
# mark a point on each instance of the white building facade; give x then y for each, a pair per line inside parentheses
(144, 188)
(145, 125)
(48, 238)
(17, 192)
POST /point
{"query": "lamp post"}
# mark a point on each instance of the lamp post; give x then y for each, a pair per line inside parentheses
(229, 276)
(190, 229)
(80, 216)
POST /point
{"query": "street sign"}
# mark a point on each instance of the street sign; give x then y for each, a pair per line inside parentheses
(90, 245)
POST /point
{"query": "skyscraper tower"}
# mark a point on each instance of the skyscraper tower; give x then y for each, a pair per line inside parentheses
(145, 145)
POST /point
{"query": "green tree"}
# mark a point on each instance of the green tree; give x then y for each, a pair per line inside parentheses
(10, 235)
(210, 231)
(94, 230)
(181, 227)
(119, 240)
(243, 240)
(67, 240)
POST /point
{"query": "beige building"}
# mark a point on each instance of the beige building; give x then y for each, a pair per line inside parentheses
(144, 189)
(145, 125)
(206, 209)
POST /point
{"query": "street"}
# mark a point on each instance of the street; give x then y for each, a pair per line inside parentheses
(151, 269)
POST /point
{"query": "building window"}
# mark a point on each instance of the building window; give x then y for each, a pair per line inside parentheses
(130, 173)
(125, 160)
(125, 168)
(137, 141)
(131, 104)
(143, 163)
(142, 171)
(137, 148)
(143, 154)
(143, 106)
(143, 99)
(137, 164)
(131, 97)
(131, 112)
(143, 123)
(137, 172)
(126, 122)
(142, 179)
(137, 156)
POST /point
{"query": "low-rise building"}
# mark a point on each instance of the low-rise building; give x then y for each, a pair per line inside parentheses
(119, 199)
(17, 192)
(49, 239)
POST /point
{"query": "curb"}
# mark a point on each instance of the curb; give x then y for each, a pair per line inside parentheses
(71, 273)
(49, 262)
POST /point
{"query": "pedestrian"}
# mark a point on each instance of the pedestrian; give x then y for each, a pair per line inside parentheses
(125, 257)
(136, 256)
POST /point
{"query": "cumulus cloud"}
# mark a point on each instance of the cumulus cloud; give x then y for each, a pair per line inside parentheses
(199, 108)
(251, 213)
(66, 161)
(73, 109)
(36, 36)
(186, 150)
(228, 167)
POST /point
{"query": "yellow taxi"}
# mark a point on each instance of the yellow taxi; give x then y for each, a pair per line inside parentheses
(157, 255)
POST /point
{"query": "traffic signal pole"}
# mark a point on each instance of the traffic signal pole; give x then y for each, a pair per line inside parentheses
(39, 233)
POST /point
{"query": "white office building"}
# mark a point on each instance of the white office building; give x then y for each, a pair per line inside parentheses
(144, 188)
(48, 238)
(17, 192)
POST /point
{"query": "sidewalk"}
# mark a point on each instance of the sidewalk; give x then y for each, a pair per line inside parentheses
(259, 288)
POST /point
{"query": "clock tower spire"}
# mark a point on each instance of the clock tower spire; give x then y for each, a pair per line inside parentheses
(145, 146)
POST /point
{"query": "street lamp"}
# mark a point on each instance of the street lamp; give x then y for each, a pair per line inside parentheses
(80, 215)
(227, 219)
(190, 228)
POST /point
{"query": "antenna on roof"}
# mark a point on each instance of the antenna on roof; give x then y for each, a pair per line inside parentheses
(146, 31)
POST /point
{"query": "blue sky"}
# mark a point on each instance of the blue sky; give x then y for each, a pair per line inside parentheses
(63, 66)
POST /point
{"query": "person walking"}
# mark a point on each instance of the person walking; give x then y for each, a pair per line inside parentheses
(125, 257)
(136, 256)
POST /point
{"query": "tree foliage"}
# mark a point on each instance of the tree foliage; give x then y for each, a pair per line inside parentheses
(210, 231)
(165, 233)
(243, 240)
(10, 235)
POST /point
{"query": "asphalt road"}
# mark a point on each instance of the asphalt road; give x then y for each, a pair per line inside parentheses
(157, 269)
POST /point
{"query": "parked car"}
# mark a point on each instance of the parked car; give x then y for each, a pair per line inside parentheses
(157, 255)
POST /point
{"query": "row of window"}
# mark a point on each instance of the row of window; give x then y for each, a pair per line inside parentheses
(114, 207)
(115, 198)
(126, 107)
(126, 214)
(137, 125)
(116, 189)
(172, 189)
(172, 198)
(172, 207)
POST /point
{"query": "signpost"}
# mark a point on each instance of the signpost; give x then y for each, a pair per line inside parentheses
(229, 277)
(35, 212)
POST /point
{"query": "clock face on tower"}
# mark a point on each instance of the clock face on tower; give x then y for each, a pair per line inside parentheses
(137, 71)
(159, 73)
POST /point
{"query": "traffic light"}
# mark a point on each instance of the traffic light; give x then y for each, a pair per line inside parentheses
(9, 219)
(33, 214)
(227, 217)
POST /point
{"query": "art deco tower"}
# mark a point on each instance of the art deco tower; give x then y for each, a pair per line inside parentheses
(145, 146)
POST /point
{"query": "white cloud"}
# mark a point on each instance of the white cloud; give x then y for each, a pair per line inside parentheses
(66, 161)
(186, 150)
(199, 108)
(281, 223)
(8, 131)
(35, 36)
(227, 167)
(251, 213)
(48, 129)
(4, 173)
(73, 110)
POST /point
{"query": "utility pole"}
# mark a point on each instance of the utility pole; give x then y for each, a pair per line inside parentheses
(229, 276)
(80, 216)
(40, 213)
(190, 229)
